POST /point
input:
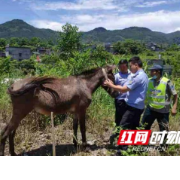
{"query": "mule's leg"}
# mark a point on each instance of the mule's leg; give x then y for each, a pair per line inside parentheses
(11, 143)
(2, 142)
(18, 114)
(75, 129)
(9, 131)
(83, 127)
(6, 132)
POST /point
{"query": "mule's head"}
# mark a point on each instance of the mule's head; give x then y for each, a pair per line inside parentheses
(108, 73)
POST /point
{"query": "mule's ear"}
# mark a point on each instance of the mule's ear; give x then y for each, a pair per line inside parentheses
(110, 68)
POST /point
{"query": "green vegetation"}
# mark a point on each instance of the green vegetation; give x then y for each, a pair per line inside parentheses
(69, 59)
(129, 47)
(19, 28)
(32, 43)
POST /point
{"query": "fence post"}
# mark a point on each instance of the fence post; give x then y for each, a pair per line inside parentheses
(53, 134)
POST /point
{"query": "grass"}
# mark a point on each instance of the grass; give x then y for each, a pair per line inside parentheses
(34, 133)
(35, 138)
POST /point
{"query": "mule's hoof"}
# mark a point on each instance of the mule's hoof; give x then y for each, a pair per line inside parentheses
(85, 144)
(1, 154)
(85, 147)
(75, 145)
(13, 154)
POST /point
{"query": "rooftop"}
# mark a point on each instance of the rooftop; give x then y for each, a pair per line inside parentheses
(18, 47)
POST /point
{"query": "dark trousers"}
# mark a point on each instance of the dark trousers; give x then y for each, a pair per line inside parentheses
(126, 116)
(120, 110)
(131, 118)
(120, 106)
(150, 116)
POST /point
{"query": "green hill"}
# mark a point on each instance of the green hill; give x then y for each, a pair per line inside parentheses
(19, 28)
(135, 33)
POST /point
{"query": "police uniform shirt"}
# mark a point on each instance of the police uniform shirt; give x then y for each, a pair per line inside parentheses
(138, 84)
(121, 79)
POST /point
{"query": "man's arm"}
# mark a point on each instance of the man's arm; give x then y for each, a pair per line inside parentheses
(130, 85)
(122, 89)
(172, 90)
(175, 102)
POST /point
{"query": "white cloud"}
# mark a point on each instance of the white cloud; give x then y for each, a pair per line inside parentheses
(152, 4)
(177, 29)
(78, 5)
(120, 6)
(47, 24)
(106, 14)
(148, 4)
(113, 5)
(23, 1)
(163, 21)
(83, 19)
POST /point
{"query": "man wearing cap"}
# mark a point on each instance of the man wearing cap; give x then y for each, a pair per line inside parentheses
(120, 104)
(160, 90)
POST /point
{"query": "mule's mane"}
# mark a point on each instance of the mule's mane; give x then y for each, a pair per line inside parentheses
(88, 73)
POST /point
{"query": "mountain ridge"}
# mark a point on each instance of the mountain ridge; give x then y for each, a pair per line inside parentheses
(19, 28)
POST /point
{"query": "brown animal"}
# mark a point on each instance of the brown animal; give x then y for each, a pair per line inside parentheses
(59, 95)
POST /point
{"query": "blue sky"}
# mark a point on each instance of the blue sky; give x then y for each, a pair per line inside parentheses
(158, 15)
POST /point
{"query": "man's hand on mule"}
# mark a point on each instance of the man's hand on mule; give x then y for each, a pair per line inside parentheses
(108, 83)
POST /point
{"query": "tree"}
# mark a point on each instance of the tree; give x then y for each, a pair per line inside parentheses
(69, 40)
(174, 47)
(100, 56)
(23, 42)
(129, 47)
(50, 43)
(14, 41)
(2, 43)
(35, 41)
(119, 48)
(5, 65)
(27, 66)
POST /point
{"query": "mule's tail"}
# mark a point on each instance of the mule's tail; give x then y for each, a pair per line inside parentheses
(32, 85)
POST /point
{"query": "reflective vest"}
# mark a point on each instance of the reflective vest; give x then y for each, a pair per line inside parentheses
(157, 95)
